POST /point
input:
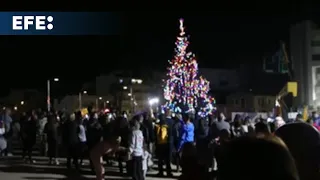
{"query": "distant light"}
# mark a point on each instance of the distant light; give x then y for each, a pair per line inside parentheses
(15, 108)
(22, 102)
(121, 80)
(107, 102)
(125, 87)
(129, 94)
(131, 99)
(250, 90)
(100, 98)
(106, 110)
(56, 79)
(4, 108)
(139, 81)
(133, 80)
(153, 101)
(85, 92)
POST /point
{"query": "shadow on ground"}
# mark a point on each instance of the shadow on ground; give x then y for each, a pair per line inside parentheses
(49, 172)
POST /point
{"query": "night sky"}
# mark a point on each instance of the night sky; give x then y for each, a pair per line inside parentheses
(219, 40)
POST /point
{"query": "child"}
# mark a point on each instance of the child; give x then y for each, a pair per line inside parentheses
(146, 160)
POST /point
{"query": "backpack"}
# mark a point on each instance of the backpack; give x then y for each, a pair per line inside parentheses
(162, 134)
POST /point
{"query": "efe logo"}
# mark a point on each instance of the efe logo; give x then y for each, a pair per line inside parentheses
(38, 22)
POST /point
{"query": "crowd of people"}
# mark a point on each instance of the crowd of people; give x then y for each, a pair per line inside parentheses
(212, 147)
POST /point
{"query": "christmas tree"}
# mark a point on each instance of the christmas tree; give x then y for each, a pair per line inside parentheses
(185, 91)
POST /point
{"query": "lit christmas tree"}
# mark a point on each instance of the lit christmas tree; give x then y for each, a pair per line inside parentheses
(185, 91)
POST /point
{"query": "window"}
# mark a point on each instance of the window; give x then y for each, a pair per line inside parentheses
(315, 43)
(316, 57)
(261, 102)
(269, 101)
(243, 103)
(235, 102)
(223, 80)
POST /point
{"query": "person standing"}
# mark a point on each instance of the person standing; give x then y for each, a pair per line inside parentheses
(187, 135)
(136, 151)
(41, 124)
(51, 132)
(70, 138)
(177, 126)
(82, 137)
(7, 120)
(94, 133)
(163, 145)
(146, 160)
(3, 142)
(29, 134)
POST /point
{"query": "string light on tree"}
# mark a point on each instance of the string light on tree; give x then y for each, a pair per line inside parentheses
(185, 90)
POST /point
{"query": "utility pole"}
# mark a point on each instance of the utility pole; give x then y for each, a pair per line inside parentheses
(80, 101)
(48, 96)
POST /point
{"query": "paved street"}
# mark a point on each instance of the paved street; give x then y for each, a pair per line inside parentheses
(14, 168)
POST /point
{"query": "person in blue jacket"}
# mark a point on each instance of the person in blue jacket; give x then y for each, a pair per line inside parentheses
(187, 131)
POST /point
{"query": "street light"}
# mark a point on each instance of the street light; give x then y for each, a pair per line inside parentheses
(15, 108)
(129, 94)
(48, 92)
(100, 98)
(153, 101)
(22, 102)
(80, 98)
(139, 81)
(134, 81)
(125, 87)
(107, 102)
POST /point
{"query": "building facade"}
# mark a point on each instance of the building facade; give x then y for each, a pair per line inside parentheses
(71, 103)
(130, 93)
(249, 102)
(305, 57)
(221, 79)
(24, 100)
